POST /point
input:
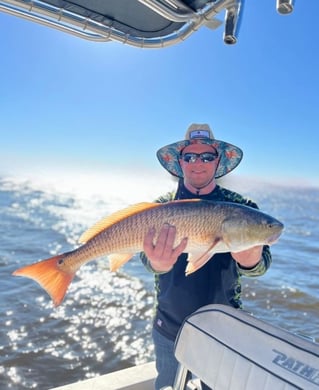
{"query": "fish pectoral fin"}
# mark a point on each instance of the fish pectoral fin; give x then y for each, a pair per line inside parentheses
(118, 259)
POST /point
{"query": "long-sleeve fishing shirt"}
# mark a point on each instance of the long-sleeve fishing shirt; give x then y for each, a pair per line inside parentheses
(217, 282)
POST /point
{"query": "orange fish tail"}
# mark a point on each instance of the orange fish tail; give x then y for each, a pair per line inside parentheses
(47, 273)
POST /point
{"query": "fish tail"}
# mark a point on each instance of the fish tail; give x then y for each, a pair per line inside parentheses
(50, 277)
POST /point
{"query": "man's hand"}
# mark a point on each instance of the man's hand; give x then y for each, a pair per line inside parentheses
(162, 254)
(248, 258)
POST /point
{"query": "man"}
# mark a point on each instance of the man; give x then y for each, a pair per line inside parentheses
(197, 161)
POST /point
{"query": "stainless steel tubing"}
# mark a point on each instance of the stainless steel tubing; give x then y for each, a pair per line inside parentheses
(285, 7)
(232, 21)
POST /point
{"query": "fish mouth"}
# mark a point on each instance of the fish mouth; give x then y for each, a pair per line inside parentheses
(273, 238)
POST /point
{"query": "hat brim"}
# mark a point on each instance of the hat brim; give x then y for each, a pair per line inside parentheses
(230, 156)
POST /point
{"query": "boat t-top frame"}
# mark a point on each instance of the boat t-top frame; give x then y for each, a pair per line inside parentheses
(139, 23)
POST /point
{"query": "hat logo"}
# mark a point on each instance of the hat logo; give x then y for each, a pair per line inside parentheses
(199, 134)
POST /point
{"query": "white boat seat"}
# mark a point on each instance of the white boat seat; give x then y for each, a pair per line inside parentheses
(229, 349)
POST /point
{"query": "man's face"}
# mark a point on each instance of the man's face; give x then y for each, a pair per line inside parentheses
(198, 173)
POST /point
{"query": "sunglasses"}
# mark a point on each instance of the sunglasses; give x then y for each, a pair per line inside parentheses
(205, 157)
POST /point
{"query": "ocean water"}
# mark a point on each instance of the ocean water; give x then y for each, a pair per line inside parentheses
(104, 322)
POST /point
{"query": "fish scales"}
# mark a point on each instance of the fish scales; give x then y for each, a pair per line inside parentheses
(127, 235)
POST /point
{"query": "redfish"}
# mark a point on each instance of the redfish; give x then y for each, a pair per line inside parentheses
(210, 227)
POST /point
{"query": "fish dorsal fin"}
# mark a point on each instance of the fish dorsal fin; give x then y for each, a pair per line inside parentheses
(114, 218)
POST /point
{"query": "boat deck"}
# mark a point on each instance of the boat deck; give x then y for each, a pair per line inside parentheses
(133, 378)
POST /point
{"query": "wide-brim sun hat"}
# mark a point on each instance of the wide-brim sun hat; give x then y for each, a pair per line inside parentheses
(229, 155)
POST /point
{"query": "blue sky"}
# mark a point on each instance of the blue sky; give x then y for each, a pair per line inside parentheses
(76, 105)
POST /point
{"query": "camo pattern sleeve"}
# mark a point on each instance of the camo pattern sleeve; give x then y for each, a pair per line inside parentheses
(169, 196)
(266, 258)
